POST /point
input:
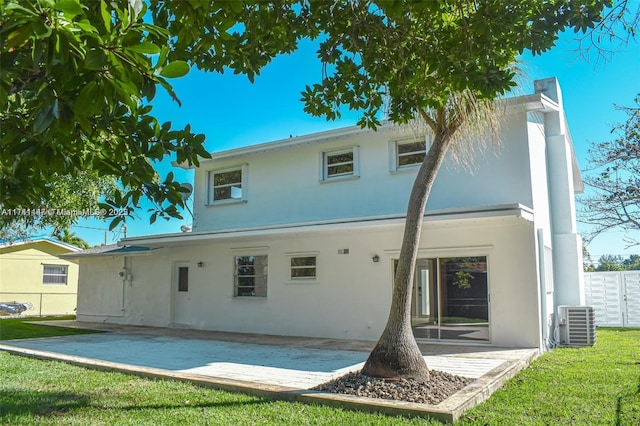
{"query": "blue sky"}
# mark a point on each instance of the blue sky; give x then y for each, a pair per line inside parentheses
(232, 113)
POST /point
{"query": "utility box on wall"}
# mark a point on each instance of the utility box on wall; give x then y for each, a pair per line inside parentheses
(577, 325)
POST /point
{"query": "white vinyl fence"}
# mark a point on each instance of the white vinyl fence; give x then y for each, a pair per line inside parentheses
(615, 297)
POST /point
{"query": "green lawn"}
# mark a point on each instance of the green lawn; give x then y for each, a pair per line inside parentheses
(586, 386)
(597, 385)
(17, 328)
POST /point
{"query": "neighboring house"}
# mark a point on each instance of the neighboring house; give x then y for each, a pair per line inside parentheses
(33, 273)
(300, 237)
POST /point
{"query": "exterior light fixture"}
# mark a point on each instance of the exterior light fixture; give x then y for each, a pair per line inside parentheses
(200, 264)
(375, 258)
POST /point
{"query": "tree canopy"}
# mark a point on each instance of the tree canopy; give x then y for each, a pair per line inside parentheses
(75, 197)
(608, 262)
(614, 177)
(70, 237)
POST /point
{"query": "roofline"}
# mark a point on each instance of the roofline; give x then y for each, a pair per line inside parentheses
(45, 239)
(470, 213)
(533, 102)
(323, 136)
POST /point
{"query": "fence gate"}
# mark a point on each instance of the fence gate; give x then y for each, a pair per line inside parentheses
(615, 297)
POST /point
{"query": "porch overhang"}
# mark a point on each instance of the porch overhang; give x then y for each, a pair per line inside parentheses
(341, 225)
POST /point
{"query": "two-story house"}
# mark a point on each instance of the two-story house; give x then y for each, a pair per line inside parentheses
(300, 237)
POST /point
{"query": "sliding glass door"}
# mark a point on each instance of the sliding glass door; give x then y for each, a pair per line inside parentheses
(450, 299)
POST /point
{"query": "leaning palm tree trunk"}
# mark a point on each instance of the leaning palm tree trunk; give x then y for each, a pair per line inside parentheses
(397, 354)
(457, 128)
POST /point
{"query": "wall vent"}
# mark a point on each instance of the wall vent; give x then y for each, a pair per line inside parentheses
(577, 325)
(343, 251)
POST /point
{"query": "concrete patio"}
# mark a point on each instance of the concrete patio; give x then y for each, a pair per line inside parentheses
(280, 367)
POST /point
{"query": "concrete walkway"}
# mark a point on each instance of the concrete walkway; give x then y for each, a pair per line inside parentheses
(262, 364)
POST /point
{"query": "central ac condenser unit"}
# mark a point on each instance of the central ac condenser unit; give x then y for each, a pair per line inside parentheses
(577, 325)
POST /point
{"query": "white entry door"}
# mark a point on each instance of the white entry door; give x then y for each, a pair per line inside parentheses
(181, 294)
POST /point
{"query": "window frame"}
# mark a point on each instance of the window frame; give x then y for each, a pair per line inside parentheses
(210, 196)
(292, 267)
(324, 164)
(237, 276)
(394, 153)
(65, 275)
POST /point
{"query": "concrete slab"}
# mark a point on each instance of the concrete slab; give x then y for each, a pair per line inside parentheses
(275, 366)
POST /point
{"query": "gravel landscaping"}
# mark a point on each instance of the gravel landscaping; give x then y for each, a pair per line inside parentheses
(440, 386)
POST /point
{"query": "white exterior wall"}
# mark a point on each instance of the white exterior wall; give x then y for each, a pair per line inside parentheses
(534, 264)
(100, 294)
(283, 185)
(350, 298)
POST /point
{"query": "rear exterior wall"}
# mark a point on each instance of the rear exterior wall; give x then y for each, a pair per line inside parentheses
(350, 298)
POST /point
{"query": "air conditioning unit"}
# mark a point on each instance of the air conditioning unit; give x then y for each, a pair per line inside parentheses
(577, 325)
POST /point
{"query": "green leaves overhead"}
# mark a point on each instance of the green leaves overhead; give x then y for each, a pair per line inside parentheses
(74, 81)
(70, 8)
(409, 57)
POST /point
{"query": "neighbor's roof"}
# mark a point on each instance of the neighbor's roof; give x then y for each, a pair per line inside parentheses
(38, 239)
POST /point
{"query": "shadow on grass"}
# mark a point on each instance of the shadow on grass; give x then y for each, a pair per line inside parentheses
(39, 403)
(628, 407)
(19, 403)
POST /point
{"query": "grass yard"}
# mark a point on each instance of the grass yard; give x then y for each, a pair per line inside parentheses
(586, 386)
(597, 385)
(17, 328)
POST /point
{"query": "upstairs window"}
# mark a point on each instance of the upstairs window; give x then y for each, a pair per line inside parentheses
(339, 164)
(250, 276)
(227, 185)
(303, 268)
(408, 153)
(54, 275)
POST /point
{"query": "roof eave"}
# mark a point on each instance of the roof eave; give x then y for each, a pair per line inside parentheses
(474, 213)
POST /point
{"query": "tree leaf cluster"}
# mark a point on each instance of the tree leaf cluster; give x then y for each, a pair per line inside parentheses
(403, 58)
(76, 80)
(74, 198)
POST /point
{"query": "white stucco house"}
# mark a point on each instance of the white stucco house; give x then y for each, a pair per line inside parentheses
(300, 236)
